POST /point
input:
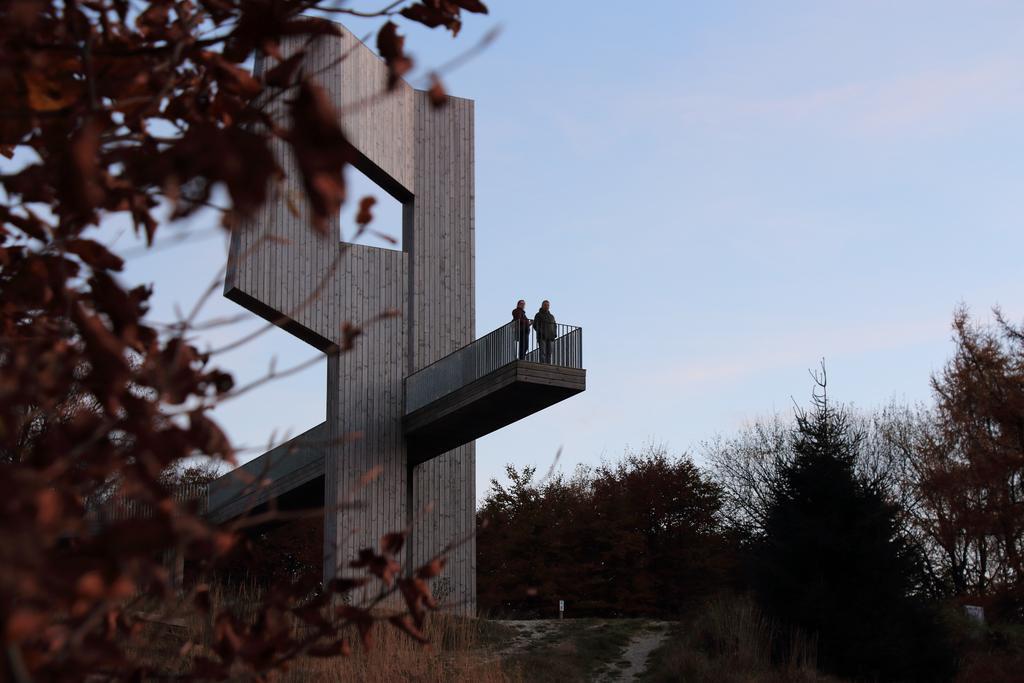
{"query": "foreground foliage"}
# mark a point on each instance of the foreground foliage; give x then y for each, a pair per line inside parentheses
(461, 648)
(110, 107)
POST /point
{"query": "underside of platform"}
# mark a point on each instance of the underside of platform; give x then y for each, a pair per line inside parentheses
(497, 399)
(295, 465)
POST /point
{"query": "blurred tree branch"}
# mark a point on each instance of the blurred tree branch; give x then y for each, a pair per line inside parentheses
(116, 107)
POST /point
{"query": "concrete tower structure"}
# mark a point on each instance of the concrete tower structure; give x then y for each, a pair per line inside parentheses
(407, 400)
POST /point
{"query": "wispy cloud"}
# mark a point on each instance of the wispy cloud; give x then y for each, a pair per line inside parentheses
(931, 102)
(772, 351)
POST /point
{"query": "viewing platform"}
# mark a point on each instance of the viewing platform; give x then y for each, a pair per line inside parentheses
(467, 394)
(487, 385)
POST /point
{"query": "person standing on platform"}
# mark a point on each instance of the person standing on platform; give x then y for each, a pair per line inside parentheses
(547, 330)
(522, 329)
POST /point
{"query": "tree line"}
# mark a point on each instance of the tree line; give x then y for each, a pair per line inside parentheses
(852, 527)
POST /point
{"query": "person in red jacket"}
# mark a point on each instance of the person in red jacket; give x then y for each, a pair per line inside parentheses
(522, 329)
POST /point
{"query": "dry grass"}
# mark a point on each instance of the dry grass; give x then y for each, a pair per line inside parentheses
(993, 653)
(160, 643)
(732, 642)
(461, 649)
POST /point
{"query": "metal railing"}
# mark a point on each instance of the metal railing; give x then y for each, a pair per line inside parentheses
(119, 508)
(508, 343)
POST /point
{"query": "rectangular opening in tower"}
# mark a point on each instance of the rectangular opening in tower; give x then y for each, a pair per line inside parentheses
(385, 229)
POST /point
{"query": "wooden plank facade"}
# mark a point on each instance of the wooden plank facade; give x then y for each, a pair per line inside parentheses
(309, 284)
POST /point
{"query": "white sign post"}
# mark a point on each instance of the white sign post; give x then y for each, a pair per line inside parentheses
(561, 608)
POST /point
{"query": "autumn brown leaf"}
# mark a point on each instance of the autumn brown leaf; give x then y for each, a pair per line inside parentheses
(51, 85)
(322, 151)
(81, 188)
(154, 18)
(434, 13)
(113, 111)
(471, 6)
(94, 254)
(392, 48)
(233, 78)
(391, 543)
(209, 438)
(365, 214)
(431, 569)
(349, 332)
(24, 623)
(281, 74)
(417, 598)
(436, 93)
(380, 565)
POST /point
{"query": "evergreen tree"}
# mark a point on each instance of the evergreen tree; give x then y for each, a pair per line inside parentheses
(834, 564)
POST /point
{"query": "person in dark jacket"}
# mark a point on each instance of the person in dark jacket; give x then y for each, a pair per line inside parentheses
(522, 329)
(547, 330)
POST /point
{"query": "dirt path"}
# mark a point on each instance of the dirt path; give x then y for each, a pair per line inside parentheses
(633, 661)
(528, 633)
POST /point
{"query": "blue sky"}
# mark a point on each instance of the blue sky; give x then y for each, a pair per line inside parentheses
(721, 194)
